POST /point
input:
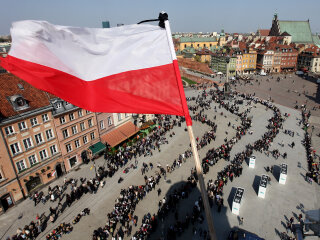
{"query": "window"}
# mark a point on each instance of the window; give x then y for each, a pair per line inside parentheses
(92, 135)
(9, 130)
(80, 113)
(21, 165)
(68, 147)
(15, 148)
(1, 176)
(38, 138)
(65, 133)
(101, 124)
(27, 143)
(53, 149)
(58, 105)
(22, 126)
(90, 122)
(82, 126)
(71, 116)
(45, 118)
(43, 154)
(49, 134)
(119, 116)
(88, 112)
(77, 143)
(74, 129)
(126, 115)
(62, 120)
(34, 122)
(85, 139)
(32, 159)
(67, 103)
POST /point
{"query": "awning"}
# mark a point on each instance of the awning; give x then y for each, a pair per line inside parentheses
(120, 134)
(97, 148)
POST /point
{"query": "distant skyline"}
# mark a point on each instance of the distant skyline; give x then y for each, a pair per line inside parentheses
(185, 16)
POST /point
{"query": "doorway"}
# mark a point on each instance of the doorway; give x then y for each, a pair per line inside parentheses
(84, 157)
(6, 202)
(59, 170)
(73, 161)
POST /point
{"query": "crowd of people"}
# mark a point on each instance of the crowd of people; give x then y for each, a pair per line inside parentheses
(215, 188)
(313, 173)
(122, 218)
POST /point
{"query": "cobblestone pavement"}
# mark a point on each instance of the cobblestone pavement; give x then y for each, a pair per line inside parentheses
(262, 216)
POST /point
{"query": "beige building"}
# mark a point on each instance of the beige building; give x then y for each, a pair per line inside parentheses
(29, 138)
(77, 131)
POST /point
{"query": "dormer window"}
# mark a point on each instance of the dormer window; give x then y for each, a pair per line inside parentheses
(58, 105)
(18, 102)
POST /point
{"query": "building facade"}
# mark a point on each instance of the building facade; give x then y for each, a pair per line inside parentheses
(197, 43)
(77, 130)
(265, 61)
(309, 60)
(29, 137)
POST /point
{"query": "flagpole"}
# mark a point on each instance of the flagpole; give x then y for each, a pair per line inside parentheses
(164, 17)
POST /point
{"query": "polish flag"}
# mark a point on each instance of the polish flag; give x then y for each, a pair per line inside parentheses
(127, 69)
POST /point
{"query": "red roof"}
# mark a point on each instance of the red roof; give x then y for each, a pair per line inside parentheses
(9, 87)
(120, 134)
(264, 32)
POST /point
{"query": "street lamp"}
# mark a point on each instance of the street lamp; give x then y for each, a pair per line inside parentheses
(226, 84)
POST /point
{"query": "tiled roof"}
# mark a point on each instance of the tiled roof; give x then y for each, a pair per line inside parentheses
(198, 39)
(299, 30)
(120, 134)
(9, 86)
(264, 32)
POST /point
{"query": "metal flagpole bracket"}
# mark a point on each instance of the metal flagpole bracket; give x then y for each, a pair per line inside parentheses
(163, 16)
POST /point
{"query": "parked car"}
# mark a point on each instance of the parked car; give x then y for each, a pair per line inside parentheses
(240, 234)
(263, 74)
(299, 72)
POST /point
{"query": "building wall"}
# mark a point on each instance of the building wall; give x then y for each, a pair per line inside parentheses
(197, 45)
(105, 122)
(289, 61)
(276, 62)
(32, 160)
(121, 118)
(249, 61)
(315, 65)
(78, 141)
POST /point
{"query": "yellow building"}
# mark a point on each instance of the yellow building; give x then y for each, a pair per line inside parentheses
(197, 43)
(204, 55)
(249, 61)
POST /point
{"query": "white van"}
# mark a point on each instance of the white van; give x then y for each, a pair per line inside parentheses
(263, 74)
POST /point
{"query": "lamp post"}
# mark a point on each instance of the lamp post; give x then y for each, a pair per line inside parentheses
(226, 84)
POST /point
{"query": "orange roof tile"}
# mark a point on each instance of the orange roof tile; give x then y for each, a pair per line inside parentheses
(120, 134)
(9, 86)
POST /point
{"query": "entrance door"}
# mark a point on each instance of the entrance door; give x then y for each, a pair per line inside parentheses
(84, 157)
(6, 202)
(73, 161)
(33, 183)
(59, 170)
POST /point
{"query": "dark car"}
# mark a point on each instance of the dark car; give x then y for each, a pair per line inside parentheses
(240, 234)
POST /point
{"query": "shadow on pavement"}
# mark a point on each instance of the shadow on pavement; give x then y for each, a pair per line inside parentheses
(276, 172)
(176, 225)
(255, 184)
